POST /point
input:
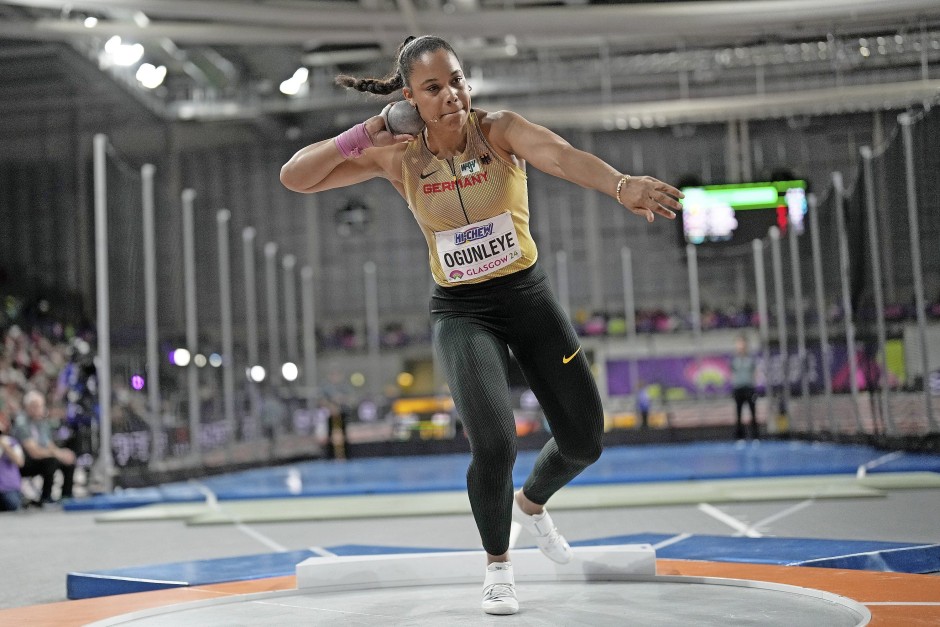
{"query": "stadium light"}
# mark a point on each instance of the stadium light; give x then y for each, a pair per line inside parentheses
(180, 357)
(149, 76)
(289, 371)
(296, 84)
(256, 373)
(120, 53)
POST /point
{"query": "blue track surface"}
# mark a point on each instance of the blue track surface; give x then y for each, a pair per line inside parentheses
(625, 464)
(845, 554)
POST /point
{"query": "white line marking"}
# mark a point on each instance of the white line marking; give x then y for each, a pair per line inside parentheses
(140, 579)
(729, 520)
(783, 514)
(213, 502)
(672, 540)
(319, 550)
(514, 529)
(927, 603)
(211, 499)
(260, 537)
(833, 557)
(884, 459)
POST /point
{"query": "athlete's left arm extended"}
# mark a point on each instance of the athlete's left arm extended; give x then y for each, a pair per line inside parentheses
(550, 153)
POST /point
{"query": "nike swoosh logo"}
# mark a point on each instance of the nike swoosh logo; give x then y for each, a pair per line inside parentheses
(424, 176)
(565, 360)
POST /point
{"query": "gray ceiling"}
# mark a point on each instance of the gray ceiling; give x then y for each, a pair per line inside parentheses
(571, 63)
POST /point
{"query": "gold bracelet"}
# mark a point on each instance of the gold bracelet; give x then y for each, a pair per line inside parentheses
(623, 179)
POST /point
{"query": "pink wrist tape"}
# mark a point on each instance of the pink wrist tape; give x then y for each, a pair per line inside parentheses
(351, 143)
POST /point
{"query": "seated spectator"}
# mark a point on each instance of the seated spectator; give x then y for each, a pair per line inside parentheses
(595, 324)
(34, 430)
(11, 460)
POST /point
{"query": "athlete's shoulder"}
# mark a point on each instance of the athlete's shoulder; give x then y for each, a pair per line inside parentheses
(498, 119)
(496, 125)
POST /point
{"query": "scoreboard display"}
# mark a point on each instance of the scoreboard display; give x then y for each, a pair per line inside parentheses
(738, 213)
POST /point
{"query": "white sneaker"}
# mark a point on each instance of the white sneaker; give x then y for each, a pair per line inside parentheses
(552, 544)
(499, 589)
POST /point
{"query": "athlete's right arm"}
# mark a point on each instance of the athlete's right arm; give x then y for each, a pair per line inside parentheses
(321, 166)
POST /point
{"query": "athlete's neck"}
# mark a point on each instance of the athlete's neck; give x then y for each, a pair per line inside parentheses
(445, 145)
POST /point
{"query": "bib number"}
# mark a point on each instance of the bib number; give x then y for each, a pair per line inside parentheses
(478, 249)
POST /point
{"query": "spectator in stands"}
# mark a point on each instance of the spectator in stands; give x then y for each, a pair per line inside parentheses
(643, 404)
(743, 370)
(11, 460)
(34, 429)
(339, 398)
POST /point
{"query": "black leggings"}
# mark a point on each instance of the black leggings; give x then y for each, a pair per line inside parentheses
(46, 468)
(475, 326)
(745, 396)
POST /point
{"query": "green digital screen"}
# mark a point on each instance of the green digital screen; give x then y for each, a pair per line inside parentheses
(717, 214)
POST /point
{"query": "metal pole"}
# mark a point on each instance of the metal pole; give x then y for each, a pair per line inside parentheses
(223, 217)
(846, 295)
(289, 262)
(251, 295)
(629, 310)
(875, 256)
(824, 348)
(916, 268)
(796, 271)
(695, 305)
(103, 365)
(592, 236)
(763, 318)
(251, 315)
(779, 297)
(274, 333)
(150, 298)
(192, 336)
(310, 336)
(561, 265)
(372, 325)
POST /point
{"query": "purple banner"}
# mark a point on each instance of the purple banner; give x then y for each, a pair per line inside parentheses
(711, 374)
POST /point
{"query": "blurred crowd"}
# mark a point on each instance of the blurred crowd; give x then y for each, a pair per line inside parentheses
(47, 405)
(614, 324)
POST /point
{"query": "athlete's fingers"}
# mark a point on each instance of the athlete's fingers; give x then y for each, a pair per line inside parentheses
(666, 201)
(669, 190)
(643, 213)
(664, 211)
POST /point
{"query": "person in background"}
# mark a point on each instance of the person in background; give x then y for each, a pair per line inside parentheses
(34, 430)
(643, 404)
(743, 369)
(11, 460)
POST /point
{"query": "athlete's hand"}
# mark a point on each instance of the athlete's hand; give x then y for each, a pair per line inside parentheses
(375, 127)
(646, 196)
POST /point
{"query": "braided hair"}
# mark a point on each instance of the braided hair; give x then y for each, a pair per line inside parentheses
(410, 50)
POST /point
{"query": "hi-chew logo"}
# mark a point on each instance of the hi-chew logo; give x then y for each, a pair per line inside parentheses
(473, 233)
